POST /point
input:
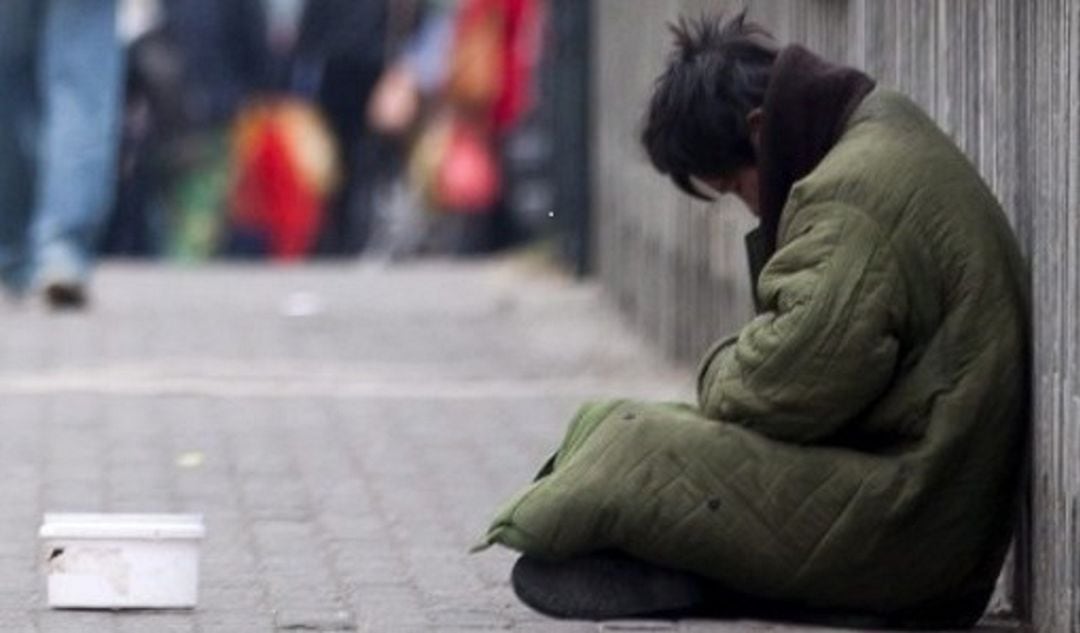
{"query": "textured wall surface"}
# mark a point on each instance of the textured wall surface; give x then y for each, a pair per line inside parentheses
(1001, 76)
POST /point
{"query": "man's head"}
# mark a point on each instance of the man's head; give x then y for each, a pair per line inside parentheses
(704, 119)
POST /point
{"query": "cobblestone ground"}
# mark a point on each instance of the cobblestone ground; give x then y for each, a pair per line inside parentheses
(346, 431)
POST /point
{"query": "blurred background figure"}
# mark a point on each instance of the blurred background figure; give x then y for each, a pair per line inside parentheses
(324, 59)
(223, 54)
(470, 65)
(60, 67)
(192, 64)
(152, 107)
(341, 51)
(261, 157)
(291, 129)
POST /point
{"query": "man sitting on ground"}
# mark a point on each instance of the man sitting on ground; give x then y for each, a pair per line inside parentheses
(855, 449)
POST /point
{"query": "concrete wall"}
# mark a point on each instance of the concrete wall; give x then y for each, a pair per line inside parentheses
(1001, 76)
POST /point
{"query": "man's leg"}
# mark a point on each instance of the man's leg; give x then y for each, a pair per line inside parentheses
(612, 585)
(607, 585)
(81, 62)
(19, 30)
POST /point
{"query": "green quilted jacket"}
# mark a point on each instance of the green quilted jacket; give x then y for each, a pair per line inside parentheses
(857, 445)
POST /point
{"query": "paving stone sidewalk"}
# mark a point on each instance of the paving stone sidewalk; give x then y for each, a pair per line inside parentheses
(346, 430)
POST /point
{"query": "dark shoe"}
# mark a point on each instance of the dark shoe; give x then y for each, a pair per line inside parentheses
(65, 295)
(605, 586)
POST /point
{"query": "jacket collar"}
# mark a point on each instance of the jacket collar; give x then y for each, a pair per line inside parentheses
(807, 104)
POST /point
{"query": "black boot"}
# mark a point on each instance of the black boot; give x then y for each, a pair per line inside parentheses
(606, 586)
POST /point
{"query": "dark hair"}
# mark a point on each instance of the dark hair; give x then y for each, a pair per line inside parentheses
(696, 122)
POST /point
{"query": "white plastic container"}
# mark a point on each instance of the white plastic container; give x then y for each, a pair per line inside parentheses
(122, 561)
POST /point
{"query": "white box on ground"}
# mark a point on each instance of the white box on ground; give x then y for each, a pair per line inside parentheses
(122, 561)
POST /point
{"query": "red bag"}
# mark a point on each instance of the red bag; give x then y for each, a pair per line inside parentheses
(468, 179)
(285, 167)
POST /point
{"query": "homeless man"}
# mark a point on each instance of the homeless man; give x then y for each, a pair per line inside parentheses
(855, 449)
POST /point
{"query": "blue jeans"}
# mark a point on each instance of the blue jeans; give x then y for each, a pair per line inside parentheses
(61, 64)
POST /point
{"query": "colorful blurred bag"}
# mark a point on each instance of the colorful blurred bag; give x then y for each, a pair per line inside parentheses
(454, 167)
(285, 166)
(198, 200)
(468, 176)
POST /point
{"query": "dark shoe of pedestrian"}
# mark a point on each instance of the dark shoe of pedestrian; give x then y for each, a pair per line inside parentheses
(63, 296)
(605, 586)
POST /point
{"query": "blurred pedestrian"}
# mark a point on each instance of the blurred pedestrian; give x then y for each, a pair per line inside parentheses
(225, 59)
(60, 73)
(473, 62)
(151, 111)
(340, 54)
(419, 41)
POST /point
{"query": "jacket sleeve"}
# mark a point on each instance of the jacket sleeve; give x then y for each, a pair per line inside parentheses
(826, 346)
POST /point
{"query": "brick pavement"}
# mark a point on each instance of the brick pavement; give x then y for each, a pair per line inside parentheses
(347, 431)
